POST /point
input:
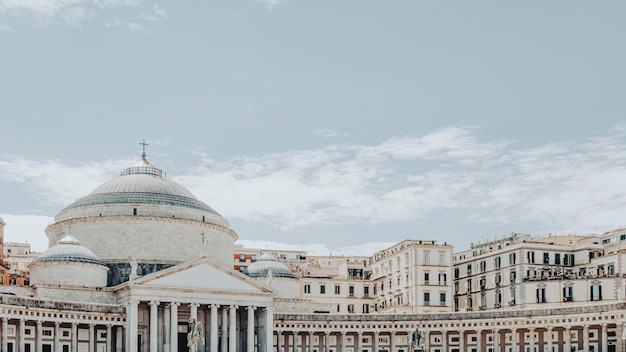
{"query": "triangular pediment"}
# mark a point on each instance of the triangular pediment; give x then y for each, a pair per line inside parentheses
(202, 275)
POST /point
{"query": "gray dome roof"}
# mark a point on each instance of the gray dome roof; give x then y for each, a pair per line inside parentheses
(142, 184)
(266, 264)
(68, 249)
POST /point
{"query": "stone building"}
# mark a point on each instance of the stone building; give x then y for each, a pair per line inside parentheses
(140, 264)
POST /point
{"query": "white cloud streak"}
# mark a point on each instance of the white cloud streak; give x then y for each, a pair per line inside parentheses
(75, 13)
(324, 133)
(571, 186)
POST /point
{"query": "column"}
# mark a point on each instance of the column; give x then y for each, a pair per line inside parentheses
(444, 340)
(548, 338)
(20, 338)
(173, 327)
(109, 339)
(38, 332)
(310, 341)
(326, 341)
(3, 336)
(154, 314)
(224, 345)
(232, 330)
(269, 329)
(514, 340)
(57, 336)
(343, 341)
(605, 338)
(496, 340)
(193, 311)
(250, 342)
(278, 338)
(74, 337)
(375, 342)
(131, 325)
(167, 328)
(479, 340)
(214, 328)
(586, 337)
(359, 342)
(461, 340)
(567, 339)
(92, 338)
(531, 333)
(427, 340)
(119, 338)
(392, 342)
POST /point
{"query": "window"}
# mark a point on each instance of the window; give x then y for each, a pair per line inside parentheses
(366, 291)
(611, 269)
(596, 293)
(498, 278)
(456, 273)
(337, 289)
(456, 287)
(469, 269)
(307, 288)
(512, 296)
(350, 308)
(541, 295)
(322, 289)
(568, 259)
(531, 257)
(46, 332)
(242, 257)
(469, 285)
(512, 276)
(134, 212)
(622, 237)
(442, 299)
(443, 279)
(426, 298)
(511, 258)
(442, 259)
(366, 308)
(546, 258)
(426, 258)
(557, 258)
(426, 278)
(351, 291)
(497, 262)
(483, 266)
(568, 294)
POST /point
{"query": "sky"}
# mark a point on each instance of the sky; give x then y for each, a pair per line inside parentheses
(335, 127)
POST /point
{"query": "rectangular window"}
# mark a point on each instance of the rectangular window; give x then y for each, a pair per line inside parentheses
(366, 308)
(483, 266)
(546, 258)
(442, 299)
(46, 332)
(350, 308)
(469, 269)
(351, 291)
(337, 289)
(511, 258)
(426, 279)
(307, 288)
(541, 295)
(366, 291)
(557, 258)
(426, 258)
(426, 298)
(497, 262)
(498, 278)
(443, 279)
(456, 273)
(568, 294)
(596, 293)
(530, 256)
(322, 289)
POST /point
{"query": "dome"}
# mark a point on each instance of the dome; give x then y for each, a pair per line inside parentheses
(143, 184)
(267, 264)
(68, 249)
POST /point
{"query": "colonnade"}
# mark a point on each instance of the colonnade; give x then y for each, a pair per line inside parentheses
(18, 333)
(227, 327)
(562, 338)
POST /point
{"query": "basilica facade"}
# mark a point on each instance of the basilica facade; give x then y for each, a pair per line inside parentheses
(140, 264)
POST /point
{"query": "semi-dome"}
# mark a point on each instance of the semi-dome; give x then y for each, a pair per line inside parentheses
(267, 265)
(69, 249)
(142, 184)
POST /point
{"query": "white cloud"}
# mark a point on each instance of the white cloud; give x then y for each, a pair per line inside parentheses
(270, 4)
(75, 13)
(27, 228)
(560, 186)
(324, 133)
(364, 249)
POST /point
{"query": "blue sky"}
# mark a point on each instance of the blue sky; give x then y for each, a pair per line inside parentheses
(331, 125)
